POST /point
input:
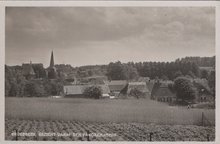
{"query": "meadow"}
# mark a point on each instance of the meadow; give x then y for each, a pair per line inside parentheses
(104, 110)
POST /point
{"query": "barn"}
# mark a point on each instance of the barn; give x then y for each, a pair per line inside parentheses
(141, 86)
(204, 93)
(161, 92)
(116, 86)
(77, 90)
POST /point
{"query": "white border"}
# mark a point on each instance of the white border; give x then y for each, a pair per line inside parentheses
(3, 4)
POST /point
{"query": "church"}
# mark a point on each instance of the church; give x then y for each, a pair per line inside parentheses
(35, 71)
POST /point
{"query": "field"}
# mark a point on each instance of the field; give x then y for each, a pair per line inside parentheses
(76, 131)
(130, 120)
(105, 110)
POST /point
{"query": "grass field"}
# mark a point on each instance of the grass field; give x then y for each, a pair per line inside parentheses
(105, 110)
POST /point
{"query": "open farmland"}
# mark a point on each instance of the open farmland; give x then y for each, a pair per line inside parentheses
(124, 120)
(106, 110)
(67, 130)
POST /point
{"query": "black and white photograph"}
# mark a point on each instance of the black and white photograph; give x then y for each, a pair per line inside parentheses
(126, 73)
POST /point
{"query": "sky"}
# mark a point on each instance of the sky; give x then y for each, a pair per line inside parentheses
(99, 35)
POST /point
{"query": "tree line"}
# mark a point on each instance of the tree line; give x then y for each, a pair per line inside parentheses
(200, 61)
(153, 70)
(17, 85)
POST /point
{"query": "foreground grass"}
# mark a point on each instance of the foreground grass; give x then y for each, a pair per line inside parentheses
(106, 110)
(65, 130)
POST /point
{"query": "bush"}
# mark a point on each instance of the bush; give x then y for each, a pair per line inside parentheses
(136, 93)
(33, 89)
(93, 92)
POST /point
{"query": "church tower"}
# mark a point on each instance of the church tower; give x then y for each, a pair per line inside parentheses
(51, 70)
(51, 60)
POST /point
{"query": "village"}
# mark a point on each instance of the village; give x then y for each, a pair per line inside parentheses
(139, 87)
(80, 101)
(124, 72)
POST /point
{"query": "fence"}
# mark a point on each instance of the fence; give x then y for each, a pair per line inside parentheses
(205, 121)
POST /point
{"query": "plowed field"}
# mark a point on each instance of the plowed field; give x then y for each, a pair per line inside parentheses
(43, 130)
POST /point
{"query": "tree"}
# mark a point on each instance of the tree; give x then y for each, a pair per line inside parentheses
(7, 87)
(191, 74)
(33, 89)
(13, 89)
(39, 70)
(178, 74)
(204, 74)
(211, 81)
(53, 87)
(195, 69)
(116, 71)
(131, 72)
(184, 89)
(93, 92)
(164, 77)
(136, 93)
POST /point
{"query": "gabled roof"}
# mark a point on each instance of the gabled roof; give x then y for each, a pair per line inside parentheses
(202, 86)
(143, 79)
(79, 89)
(139, 85)
(163, 91)
(28, 69)
(73, 89)
(117, 85)
(150, 85)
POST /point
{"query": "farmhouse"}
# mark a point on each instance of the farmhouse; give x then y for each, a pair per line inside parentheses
(204, 96)
(116, 86)
(141, 86)
(77, 90)
(204, 93)
(161, 92)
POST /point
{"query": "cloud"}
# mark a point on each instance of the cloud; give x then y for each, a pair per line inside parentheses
(113, 30)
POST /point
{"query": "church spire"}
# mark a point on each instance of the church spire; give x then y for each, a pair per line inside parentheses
(51, 60)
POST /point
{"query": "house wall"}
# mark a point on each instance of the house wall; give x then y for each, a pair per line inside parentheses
(166, 99)
(205, 98)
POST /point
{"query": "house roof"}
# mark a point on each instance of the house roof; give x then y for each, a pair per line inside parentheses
(150, 85)
(202, 86)
(143, 79)
(28, 69)
(79, 89)
(116, 85)
(105, 89)
(73, 89)
(139, 85)
(163, 91)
